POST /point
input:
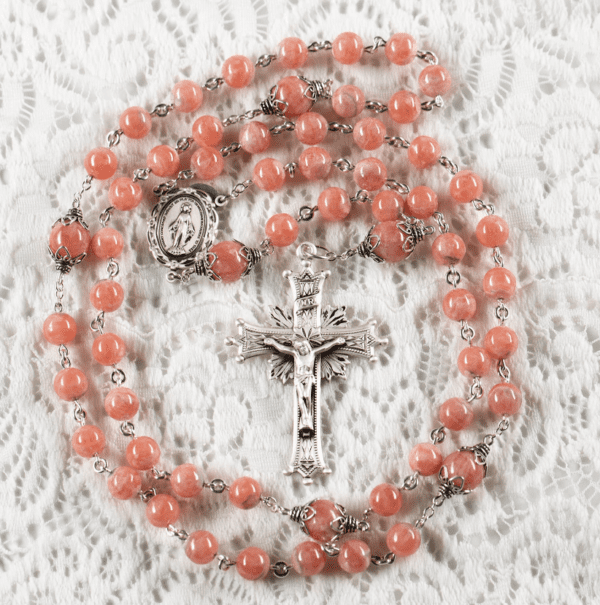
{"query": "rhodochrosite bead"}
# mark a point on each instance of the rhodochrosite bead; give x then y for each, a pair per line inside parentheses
(282, 229)
(121, 403)
(74, 237)
(108, 349)
(88, 440)
(456, 414)
(308, 558)
(474, 361)
(370, 174)
(125, 194)
(500, 342)
(462, 464)
(255, 137)
(314, 163)
(369, 133)
(107, 295)
(292, 92)
(107, 243)
(459, 304)
(499, 283)
(142, 453)
(135, 122)
(229, 262)
(387, 205)
(425, 458)
(505, 398)
(186, 481)
(207, 163)
(162, 510)
(253, 563)
(355, 556)
(424, 152)
(319, 525)
(404, 107)
(124, 483)
(403, 539)
(293, 53)
(348, 101)
(448, 249)
(269, 174)
(334, 204)
(163, 161)
(238, 71)
(245, 493)
(201, 547)
(311, 128)
(59, 328)
(391, 242)
(208, 130)
(492, 231)
(187, 96)
(401, 49)
(466, 186)
(435, 80)
(70, 384)
(421, 202)
(347, 48)
(385, 500)
(101, 163)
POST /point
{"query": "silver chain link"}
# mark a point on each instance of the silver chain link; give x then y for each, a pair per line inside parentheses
(378, 42)
(213, 83)
(376, 106)
(441, 221)
(314, 47)
(448, 164)
(85, 186)
(114, 137)
(475, 390)
(427, 56)
(60, 293)
(397, 142)
(480, 205)
(344, 165)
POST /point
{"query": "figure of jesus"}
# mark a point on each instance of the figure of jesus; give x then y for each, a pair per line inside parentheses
(181, 230)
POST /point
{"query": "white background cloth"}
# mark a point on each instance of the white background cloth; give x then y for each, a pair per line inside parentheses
(523, 112)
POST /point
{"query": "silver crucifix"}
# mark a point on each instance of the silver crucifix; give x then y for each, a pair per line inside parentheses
(306, 343)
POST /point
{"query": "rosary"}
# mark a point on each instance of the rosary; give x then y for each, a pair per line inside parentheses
(309, 341)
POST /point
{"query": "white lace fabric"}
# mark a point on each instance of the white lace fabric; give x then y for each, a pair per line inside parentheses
(523, 112)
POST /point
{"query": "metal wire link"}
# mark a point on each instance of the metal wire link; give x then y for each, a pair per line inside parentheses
(147, 495)
(429, 105)
(117, 376)
(412, 481)
(160, 475)
(344, 165)
(385, 560)
(65, 362)
(162, 110)
(280, 569)
(217, 486)
(501, 311)
(466, 331)
(497, 257)
(112, 268)
(338, 127)
(177, 533)
(287, 126)
(438, 435)
(397, 142)
(101, 465)
(428, 56)
(376, 106)
(222, 200)
(213, 83)
(378, 42)
(78, 413)
(114, 137)
(475, 390)
(274, 506)
(105, 215)
(248, 115)
(503, 426)
(396, 186)
(481, 205)
(331, 549)
(306, 213)
(85, 186)
(60, 293)
(504, 370)
(453, 276)
(127, 429)
(291, 167)
(224, 562)
(314, 47)
(141, 174)
(97, 324)
(448, 164)
(441, 221)
(265, 60)
(229, 149)
(183, 144)
(361, 196)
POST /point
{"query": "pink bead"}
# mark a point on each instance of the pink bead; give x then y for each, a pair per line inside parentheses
(500, 342)
(163, 161)
(347, 48)
(348, 101)
(101, 163)
(404, 107)
(435, 80)
(387, 205)
(135, 122)
(107, 295)
(474, 361)
(369, 133)
(466, 186)
(186, 481)
(456, 414)
(311, 128)
(282, 229)
(355, 556)
(492, 231)
(499, 283)
(462, 464)
(459, 304)
(142, 453)
(253, 563)
(370, 174)
(207, 130)
(255, 137)
(229, 263)
(207, 163)
(74, 237)
(334, 204)
(88, 440)
(385, 500)
(505, 398)
(124, 194)
(124, 483)
(424, 152)
(59, 328)
(308, 558)
(269, 174)
(425, 458)
(162, 510)
(238, 71)
(187, 96)
(293, 91)
(70, 384)
(201, 547)
(108, 349)
(448, 249)
(314, 163)
(403, 539)
(421, 202)
(293, 53)
(121, 403)
(107, 243)
(401, 49)
(319, 525)
(391, 242)
(245, 493)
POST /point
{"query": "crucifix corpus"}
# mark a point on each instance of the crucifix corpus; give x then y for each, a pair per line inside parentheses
(306, 343)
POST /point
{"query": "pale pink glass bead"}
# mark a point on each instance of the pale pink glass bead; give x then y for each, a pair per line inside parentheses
(404, 107)
(347, 48)
(474, 361)
(135, 122)
(401, 49)
(314, 163)
(107, 295)
(186, 481)
(207, 163)
(500, 342)
(319, 525)
(121, 403)
(238, 71)
(245, 493)
(308, 558)
(435, 80)
(466, 186)
(293, 91)
(269, 174)
(425, 458)
(88, 440)
(448, 249)
(74, 237)
(187, 96)
(70, 384)
(162, 510)
(505, 398)
(403, 539)
(201, 547)
(459, 304)
(163, 161)
(125, 194)
(492, 231)
(387, 205)
(107, 243)
(424, 152)
(499, 283)
(456, 414)
(207, 130)
(293, 53)
(355, 556)
(253, 563)
(101, 163)
(421, 202)
(385, 499)
(462, 464)
(311, 128)
(59, 328)
(108, 349)
(369, 133)
(282, 229)
(348, 101)
(370, 174)
(255, 137)
(334, 204)
(229, 263)
(391, 242)
(142, 453)
(124, 483)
